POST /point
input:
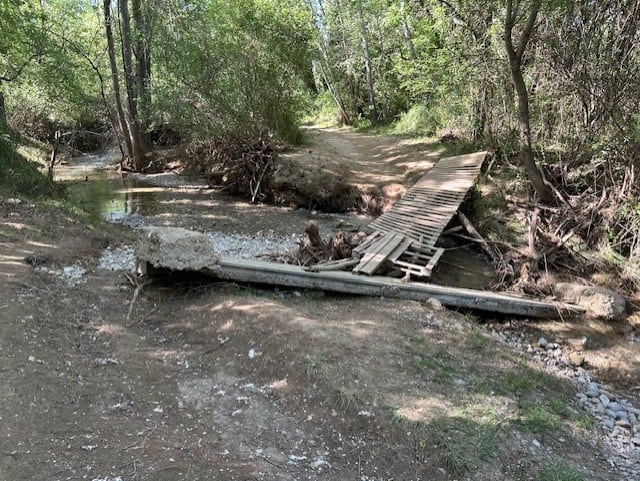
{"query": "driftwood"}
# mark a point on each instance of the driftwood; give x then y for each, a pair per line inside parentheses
(474, 233)
(238, 167)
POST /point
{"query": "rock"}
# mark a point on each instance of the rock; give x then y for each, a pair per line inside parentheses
(542, 342)
(622, 416)
(176, 249)
(615, 406)
(578, 342)
(608, 424)
(623, 423)
(598, 301)
(576, 359)
(435, 304)
(604, 400)
(593, 390)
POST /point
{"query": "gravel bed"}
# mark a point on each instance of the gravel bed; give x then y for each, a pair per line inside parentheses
(617, 417)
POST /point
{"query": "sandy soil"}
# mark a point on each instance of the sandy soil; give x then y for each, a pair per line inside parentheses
(208, 381)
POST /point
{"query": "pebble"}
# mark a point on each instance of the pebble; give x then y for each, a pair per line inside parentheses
(576, 359)
(618, 418)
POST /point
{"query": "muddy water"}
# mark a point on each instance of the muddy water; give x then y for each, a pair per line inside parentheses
(173, 200)
(134, 200)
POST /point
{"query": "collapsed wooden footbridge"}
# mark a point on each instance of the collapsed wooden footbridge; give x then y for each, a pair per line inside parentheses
(404, 238)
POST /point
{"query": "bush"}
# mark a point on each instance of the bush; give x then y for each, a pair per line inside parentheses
(19, 176)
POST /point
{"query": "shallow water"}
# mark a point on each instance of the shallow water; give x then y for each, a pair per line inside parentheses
(462, 267)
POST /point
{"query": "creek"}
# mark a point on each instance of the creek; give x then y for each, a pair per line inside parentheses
(239, 228)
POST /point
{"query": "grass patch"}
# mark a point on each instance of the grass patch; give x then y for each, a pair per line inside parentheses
(561, 471)
(538, 419)
(460, 444)
(439, 365)
(347, 400)
(318, 366)
(519, 382)
(478, 341)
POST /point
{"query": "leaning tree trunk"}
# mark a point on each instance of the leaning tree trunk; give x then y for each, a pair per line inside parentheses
(407, 33)
(515, 55)
(115, 77)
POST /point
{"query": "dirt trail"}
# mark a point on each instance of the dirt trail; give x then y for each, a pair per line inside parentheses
(375, 160)
(207, 382)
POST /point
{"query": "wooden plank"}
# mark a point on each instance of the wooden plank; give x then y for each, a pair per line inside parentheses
(363, 246)
(406, 243)
(434, 260)
(378, 254)
(262, 272)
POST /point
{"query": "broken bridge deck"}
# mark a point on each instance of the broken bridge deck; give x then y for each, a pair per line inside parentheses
(406, 234)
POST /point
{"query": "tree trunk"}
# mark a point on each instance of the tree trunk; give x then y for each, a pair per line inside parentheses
(142, 52)
(132, 110)
(115, 77)
(368, 70)
(3, 114)
(515, 55)
(406, 33)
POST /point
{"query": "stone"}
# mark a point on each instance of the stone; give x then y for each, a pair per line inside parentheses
(604, 400)
(622, 416)
(599, 302)
(593, 390)
(608, 424)
(576, 359)
(175, 249)
(615, 406)
(435, 304)
(542, 342)
(623, 423)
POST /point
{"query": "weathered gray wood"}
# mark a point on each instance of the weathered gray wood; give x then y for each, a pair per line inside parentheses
(426, 209)
(242, 270)
(378, 253)
(332, 266)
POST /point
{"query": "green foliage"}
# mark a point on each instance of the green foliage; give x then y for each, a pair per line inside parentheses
(234, 69)
(538, 419)
(418, 120)
(20, 176)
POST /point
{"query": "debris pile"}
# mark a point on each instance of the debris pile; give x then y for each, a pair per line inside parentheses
(238, 167)
(314, 250)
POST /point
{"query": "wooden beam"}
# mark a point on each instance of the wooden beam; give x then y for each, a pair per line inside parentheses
(261, 272)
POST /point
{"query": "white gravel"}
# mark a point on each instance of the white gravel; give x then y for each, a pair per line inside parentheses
(231, 245)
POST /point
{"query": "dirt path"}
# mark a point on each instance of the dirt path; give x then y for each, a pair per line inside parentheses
(374, 160)
(207, 381)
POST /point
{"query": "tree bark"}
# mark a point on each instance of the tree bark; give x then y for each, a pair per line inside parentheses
(132, 109)
(115, 77)
(3, 113)
(515, 55)
(368, 69)
(407, 33)
(142, 53)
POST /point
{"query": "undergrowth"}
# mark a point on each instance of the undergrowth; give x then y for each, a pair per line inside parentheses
(20, 176)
